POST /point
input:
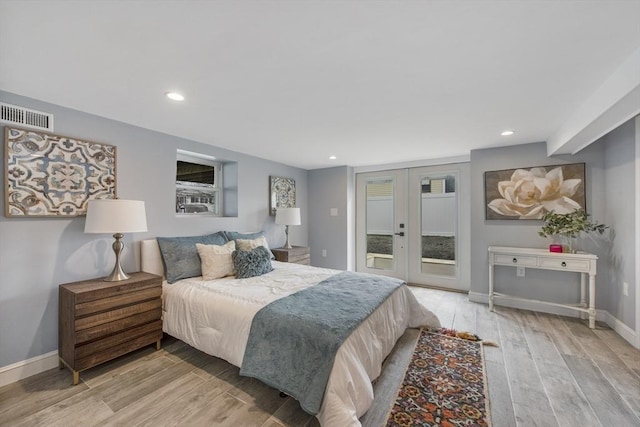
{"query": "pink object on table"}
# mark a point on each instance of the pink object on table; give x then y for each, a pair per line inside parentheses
(555, 248)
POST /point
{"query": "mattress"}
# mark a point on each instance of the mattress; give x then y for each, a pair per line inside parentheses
(215, 317)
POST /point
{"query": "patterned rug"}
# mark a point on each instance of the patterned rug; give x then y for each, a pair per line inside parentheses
(444, 385)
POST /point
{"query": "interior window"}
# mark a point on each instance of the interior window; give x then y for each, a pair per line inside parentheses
(201, 185)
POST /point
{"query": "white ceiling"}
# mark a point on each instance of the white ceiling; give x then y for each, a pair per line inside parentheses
(371, 82)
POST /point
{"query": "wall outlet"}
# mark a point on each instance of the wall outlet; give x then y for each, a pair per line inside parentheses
(324, 252)
(625, 289)
(520, 271)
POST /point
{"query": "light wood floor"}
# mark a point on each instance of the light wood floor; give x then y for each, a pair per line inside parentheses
(547, 371)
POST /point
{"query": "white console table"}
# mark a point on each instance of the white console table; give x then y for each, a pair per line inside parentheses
(581, 262)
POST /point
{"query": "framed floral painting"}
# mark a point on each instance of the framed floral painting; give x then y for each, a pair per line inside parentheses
(529, 193)
(55, 176)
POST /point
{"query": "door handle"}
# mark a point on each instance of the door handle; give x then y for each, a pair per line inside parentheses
(401, 234)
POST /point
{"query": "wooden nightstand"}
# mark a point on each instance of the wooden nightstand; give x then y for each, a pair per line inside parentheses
(99, 321)
(297, 255)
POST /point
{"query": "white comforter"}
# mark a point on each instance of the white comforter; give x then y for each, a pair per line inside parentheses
(215, 317)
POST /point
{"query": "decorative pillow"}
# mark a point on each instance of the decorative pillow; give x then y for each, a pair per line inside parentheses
(216, 260)
(180, 255)
(247, 245)
(255, 262)
(234, 235)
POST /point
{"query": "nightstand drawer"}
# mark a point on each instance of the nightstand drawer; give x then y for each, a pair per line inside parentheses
(523, 261)
(110, 328)
(119, 300)
(296, 254)
(84, 350)
(300, 259)
(118, 350)
(117, 314)
(89, 290)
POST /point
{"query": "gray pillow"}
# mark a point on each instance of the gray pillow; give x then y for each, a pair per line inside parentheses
(234, 235)
(180, 255)
(255, 262)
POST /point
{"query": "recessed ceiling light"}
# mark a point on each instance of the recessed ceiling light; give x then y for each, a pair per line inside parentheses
(507, 133)
(175, 96)
(332, 157)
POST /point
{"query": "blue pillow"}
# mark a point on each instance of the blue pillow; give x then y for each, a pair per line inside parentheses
(234, 235)
(255, 262)
(180, 255)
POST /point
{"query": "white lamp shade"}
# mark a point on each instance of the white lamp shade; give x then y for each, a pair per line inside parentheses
(115, 216)
(288, 216)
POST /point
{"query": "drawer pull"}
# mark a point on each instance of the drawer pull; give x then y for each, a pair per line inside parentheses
(515, 260)
(564, 264)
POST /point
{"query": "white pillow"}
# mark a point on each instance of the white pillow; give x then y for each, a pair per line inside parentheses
(247, 245)
(215, 260)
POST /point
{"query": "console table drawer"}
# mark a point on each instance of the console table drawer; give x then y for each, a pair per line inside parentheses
(564, 264)
(525, 261)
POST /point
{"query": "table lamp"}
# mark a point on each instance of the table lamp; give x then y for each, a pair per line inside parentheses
(287, 217)
(115, 216)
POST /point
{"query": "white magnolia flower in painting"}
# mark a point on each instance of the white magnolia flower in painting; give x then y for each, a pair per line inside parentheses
(531, 193)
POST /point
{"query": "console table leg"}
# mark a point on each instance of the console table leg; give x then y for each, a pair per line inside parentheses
(583, 294)
(490, 286)
(592, 301)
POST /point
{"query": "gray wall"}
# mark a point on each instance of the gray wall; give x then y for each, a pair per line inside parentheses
(329, 189)
(619, 197)
(36, 254)
(538, 284)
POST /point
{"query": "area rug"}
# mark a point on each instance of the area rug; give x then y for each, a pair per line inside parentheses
(444, 385)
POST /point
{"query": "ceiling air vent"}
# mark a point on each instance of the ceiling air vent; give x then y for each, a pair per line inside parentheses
(25, 117)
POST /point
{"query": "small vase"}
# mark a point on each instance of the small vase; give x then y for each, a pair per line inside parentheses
(568, 245)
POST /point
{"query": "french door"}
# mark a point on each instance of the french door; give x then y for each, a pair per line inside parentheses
(381, 223)
(408, 223)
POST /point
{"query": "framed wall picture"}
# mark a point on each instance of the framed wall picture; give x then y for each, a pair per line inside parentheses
(529, 193)
(282, 193)
(55, 176)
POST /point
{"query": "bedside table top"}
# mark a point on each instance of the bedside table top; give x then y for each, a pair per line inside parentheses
(294, 248)
(100, 284)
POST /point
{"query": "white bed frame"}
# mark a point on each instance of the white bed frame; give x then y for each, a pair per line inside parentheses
(151, 258)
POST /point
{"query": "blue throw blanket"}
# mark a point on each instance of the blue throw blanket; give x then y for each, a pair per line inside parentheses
(294, 340)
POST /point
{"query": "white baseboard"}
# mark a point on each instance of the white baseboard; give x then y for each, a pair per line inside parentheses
(602, 315)
(26, 368)
(621, 329)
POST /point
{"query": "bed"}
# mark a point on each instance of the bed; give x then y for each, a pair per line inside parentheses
(215, 316)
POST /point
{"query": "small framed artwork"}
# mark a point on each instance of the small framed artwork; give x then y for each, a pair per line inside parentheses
(55, 176)
(529, 193)
(282, 193)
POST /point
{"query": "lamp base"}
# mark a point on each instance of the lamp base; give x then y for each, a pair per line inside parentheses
(118, 273)
(286, 232)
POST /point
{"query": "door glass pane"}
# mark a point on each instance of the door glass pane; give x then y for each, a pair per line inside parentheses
(438, 224)
(380, 224)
